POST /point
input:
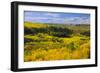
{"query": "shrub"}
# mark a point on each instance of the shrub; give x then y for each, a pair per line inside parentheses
(86, 33)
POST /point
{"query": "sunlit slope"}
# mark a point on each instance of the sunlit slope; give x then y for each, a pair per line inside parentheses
(34, 25)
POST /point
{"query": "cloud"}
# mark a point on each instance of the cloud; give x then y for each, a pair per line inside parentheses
(50, 17)
(52, 14)
(78, 20)
(70, 20)
(34, 18)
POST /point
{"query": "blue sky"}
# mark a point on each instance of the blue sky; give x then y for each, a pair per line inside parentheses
(56, 17)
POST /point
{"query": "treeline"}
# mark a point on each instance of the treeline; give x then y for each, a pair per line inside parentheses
(51, 30)
(59, 31)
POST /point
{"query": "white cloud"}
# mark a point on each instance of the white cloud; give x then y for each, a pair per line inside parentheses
(78, 20)
(56, 18)
(52, 14)
(35, 18)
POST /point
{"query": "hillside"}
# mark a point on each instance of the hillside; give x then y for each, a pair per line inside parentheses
(56, 42)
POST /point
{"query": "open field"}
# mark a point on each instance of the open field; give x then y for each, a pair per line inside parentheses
(44, 42)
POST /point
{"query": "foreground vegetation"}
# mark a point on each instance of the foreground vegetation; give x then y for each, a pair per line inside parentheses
(43, 42)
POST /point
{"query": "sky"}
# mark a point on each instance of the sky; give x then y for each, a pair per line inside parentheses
(56, 17)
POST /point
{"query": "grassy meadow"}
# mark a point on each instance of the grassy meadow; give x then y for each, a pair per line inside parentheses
(45, 42)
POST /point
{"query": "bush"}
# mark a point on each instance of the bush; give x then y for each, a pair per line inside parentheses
(27, 40)
(86, 33)
(59, 31)
(72, 46)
